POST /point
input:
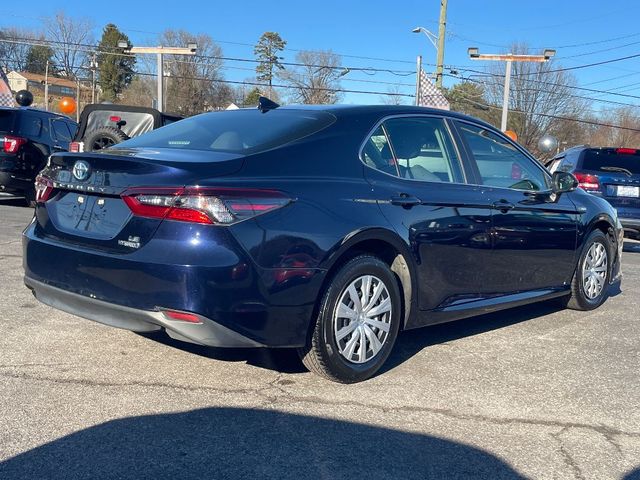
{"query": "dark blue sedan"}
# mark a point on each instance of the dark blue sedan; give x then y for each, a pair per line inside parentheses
(326, 228)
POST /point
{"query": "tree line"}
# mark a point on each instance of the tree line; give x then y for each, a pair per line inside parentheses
(544, 99)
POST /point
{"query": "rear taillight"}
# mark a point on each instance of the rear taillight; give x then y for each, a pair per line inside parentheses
(587, 181)
(44, 188)
(12, 144)
(203, 205)
(626, 151)
(75, 147)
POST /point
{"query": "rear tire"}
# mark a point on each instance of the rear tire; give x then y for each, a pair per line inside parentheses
(103, 137)
(357, 323)
(590, 283)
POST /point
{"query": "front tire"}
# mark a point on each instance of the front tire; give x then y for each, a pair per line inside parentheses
(357, 323)
(590, 283)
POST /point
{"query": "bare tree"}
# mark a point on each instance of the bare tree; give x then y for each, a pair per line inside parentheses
(393, 97)
(194, 83)
(140, 92)
(15, 45)
(628, 117)
(316, 80)
(539, 93)
(71, 40)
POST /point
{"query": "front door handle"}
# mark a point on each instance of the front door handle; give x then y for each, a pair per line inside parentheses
(503, 206)
(405, 200)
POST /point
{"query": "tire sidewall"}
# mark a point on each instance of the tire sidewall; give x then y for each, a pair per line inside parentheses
(595, 237)
(345, 370)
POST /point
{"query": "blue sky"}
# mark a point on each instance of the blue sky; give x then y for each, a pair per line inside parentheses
(582, 32)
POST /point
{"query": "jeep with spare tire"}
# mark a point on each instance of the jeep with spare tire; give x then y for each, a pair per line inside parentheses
(104, 124)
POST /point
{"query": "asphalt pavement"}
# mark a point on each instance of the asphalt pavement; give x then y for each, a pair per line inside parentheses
(533, 392)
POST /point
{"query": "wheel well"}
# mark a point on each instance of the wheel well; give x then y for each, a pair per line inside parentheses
(606, 228)
(389, 255)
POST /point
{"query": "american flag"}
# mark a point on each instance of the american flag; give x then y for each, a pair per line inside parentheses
(429, 95)
(6, 98)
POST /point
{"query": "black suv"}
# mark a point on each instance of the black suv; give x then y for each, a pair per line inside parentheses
(28, 137)
(611, 173)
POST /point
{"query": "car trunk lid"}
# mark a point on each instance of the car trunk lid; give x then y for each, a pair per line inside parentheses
(85, 205)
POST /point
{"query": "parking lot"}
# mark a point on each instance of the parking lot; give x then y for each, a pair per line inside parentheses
(534, 392)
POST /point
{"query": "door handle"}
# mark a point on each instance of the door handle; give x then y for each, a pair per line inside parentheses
(405, 200)
(503, 206)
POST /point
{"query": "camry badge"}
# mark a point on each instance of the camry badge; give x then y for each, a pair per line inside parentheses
(81, 170)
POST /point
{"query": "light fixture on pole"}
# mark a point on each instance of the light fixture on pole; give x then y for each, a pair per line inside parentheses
(159, 50)
(509, 58)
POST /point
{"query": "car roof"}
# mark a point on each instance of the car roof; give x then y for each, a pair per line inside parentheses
(38, 111)
(384, 110)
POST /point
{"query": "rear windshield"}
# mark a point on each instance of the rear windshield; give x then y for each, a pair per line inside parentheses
(607, 160)
(6, 120)
(135, 123)
(235, 131)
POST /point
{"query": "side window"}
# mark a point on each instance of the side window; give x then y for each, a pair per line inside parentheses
(30, 126)
(423, 150)
(62, 134)
(500, 163)
(376, 153)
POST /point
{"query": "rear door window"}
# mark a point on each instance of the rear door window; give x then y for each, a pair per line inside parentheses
(423, 149)
(62, 134)
(612, 160)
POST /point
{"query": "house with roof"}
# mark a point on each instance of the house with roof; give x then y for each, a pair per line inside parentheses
(58, 88)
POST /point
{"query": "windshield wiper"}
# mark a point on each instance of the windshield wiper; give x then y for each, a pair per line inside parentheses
(617, 169)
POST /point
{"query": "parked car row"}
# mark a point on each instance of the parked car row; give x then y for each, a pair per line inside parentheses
(327, 229)
(610, 173)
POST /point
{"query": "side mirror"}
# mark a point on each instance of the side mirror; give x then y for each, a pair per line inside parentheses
(563, 182)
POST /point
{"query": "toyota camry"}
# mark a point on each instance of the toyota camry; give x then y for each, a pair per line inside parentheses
(327, 229)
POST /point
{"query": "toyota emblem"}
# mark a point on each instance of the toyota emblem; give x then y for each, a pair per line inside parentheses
(81, 170)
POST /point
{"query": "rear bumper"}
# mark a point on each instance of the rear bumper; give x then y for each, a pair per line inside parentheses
(207, 332)
(239, 304)
(12, 183)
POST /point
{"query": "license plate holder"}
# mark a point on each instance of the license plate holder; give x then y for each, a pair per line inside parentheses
(627, 191)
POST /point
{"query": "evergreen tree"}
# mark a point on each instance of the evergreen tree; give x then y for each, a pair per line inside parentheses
(37, 59)
(266, 52)
(115, 71)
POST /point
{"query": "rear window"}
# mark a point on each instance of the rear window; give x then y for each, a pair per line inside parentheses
(136, 123)
(235, 131)
(6, 120)
(607, 160)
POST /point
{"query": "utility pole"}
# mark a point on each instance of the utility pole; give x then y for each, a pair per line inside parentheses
(160, 50)
(442, 27)
(94, 66)
(46, 86)
(509, 58)
(418, 79)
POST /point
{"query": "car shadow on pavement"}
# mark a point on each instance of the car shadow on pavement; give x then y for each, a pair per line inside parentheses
(633, 475)
(235, 443)
(12, 201)
(411, 342)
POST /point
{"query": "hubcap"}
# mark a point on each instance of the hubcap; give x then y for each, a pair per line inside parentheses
(363, 318)
(594, 271)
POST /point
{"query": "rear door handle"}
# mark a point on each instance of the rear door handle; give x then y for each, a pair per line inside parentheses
(405, 200)
(503, 206)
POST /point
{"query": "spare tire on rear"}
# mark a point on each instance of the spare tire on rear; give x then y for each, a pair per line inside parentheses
(103, 137)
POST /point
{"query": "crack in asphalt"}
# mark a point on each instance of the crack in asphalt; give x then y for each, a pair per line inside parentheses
(566, 456)
(608, 432)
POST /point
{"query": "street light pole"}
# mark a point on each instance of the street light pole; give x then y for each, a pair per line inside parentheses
(509, 58)
(442, 26)
(160, 51)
